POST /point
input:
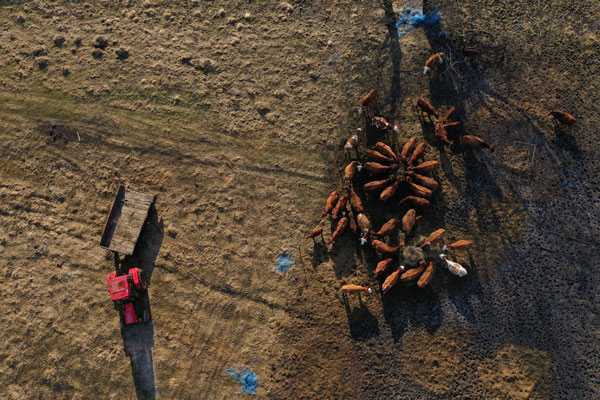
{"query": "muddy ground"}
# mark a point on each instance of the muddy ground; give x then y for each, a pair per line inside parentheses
(234, 113)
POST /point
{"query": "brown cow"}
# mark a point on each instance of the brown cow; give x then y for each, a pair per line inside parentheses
(427, 166)
(390, 191)
(387, 229)
(355, 201)
(419, 190)
(339, 207)
(355, 289)
(367, 100)
(423, 180)
(433, 237)
(459, 245)
(476, 142)
(376, 168)
(385, 249)
(415, 201)
(377, 156)
(408, 147)
(384, 266)
(386, 150)
(376, 186)
(331, 202)
(408, 221)
(418, 153)
(427, 276)
(316, 232)
(426, 107)
(341, 227)
(391, 280)
(351, 170)
(563, 117)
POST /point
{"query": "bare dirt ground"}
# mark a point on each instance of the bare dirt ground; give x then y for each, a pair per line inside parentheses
(234, 113)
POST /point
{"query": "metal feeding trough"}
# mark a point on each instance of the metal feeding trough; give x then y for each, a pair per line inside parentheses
(125, 221)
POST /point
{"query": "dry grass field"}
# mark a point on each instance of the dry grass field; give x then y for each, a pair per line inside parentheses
(234, 113)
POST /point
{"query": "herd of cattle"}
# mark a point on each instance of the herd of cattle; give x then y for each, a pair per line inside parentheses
(388, 171)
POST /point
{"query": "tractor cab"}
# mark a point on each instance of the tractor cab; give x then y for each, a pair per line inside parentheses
(124, 291)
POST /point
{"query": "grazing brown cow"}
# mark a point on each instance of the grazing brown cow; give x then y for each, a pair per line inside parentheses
(391, 280)
(385, 249)
(315, 233)
(352, 223)
(365, 227)
(367, 100)
(418, 153)
(391, 190)
(331, 202)
(355, 201)
(426, 107)
(440, 127)
(427, 276)
(384, 266)
(376, 186)
(381, 123)
(387, 229)
(476, 142)
(355, 289)
(418, 189)
(459, 245)
(376, 168)
(386, 150)
(414, 273)
(341, 227)
(339, 207)
(408, 221)
(423, 180)
(442, 134)
(377, 156)
(468, 52)
(433, 237)
(351, 170)
(563, 117)
(435, 59)
(427, 166)
(415, 201)
(408, 148)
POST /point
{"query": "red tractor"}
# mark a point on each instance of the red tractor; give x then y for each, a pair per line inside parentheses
(125, 290)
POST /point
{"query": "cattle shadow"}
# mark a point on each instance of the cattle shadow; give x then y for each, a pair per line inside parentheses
(407, 305)
(138, 339)
(462, 290)
(363, 324)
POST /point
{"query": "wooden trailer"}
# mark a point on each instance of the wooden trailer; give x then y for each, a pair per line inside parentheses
(125, 221)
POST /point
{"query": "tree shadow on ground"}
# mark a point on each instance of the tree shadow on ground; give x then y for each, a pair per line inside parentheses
(138, 339)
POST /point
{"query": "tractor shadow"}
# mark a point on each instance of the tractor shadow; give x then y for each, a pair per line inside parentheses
(138, 339)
